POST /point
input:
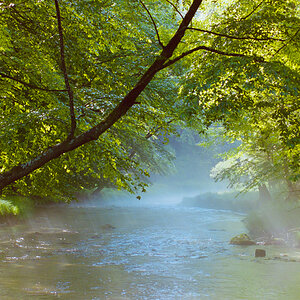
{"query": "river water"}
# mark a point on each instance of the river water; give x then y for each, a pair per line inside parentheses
(138, 253)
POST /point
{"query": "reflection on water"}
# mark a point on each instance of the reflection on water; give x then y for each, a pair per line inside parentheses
(138, 253)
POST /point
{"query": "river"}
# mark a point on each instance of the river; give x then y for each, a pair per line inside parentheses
(92, 252)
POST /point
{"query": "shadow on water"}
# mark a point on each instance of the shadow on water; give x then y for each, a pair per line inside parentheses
(107, 252)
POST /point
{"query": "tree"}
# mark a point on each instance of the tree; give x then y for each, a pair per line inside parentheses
(261, 161)
(76, 136)
(63, 82)
(256, 103)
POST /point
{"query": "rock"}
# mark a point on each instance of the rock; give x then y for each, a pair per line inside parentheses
(108, 226)
(242, 239)
(260, 253)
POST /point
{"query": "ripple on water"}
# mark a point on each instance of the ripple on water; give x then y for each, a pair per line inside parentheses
(149, 254)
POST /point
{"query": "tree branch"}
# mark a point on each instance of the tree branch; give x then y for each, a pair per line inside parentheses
(32, 86)
(172, 61)
(64, 70)
(153, 22)
(174, 6)
(236, 37)
(22, 170)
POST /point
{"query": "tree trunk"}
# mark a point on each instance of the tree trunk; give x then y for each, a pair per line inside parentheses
(264, 194)
(293, 193)
(292, 189)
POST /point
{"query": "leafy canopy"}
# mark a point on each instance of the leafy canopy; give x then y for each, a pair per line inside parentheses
(236, 63)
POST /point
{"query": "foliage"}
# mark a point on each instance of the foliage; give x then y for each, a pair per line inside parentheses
(237, 63)
(101, 67)
(261, 159)
(255, 99)
(7, 208)
(15, 206)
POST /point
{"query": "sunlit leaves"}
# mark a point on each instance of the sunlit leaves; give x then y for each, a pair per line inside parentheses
(247, 72)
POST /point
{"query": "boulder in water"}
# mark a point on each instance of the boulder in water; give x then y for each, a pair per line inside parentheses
(260, 253)
(242, 239)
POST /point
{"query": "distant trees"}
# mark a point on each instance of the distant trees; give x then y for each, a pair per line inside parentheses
(84, 83)
(264, 159)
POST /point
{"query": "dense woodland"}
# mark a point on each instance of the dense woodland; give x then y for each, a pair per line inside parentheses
(91, 91)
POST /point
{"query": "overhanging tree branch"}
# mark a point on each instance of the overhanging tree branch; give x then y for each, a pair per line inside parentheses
(285, 44)
(64, 70)
(174, 6)
(253, 11)
(94, 133)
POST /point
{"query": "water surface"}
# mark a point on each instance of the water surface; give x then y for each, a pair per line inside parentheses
(138, 253)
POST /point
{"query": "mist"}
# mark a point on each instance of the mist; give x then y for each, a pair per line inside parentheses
(176, 241)
(188, 175)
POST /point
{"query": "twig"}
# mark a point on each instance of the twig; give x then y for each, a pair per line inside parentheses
(174, 6)
(153, 22)
(255, 8)
(64, 70)
(283, 46)
(148, 136)
(32, 86)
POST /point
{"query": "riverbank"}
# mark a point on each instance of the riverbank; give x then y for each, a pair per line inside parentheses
(225, 201)
(270, 223)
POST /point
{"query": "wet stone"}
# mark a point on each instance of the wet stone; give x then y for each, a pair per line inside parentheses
(260, 253)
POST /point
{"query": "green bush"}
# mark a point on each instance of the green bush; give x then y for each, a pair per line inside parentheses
(7, 208)
(15, 206)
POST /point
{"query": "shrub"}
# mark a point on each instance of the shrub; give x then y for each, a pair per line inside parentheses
(15, 206)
